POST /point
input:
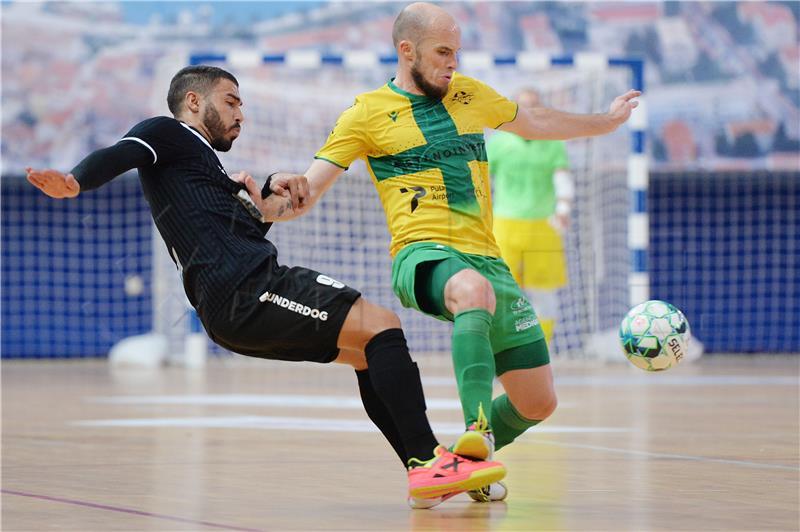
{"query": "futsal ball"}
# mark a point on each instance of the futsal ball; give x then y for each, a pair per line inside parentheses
(655, 335)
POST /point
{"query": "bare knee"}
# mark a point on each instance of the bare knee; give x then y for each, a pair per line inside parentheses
(469, 289)
(356, 359)
(364, 321)
(537, 406)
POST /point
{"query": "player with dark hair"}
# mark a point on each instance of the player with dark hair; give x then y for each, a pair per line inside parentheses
(249, 303)
(421, 136)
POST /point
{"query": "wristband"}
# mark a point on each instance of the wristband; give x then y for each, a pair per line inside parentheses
(563, 207)
(265, 190)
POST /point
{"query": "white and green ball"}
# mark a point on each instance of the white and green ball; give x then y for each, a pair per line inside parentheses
(655, 335)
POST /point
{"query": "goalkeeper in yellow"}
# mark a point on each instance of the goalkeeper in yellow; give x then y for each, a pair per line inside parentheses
(421, 136)
(533, 193)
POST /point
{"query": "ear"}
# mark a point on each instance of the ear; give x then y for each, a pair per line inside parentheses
(192, 101)
(406, 50)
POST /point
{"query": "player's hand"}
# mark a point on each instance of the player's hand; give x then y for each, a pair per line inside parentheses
(622, 106)
(54, 183)
(560, 222)
(250, 185)
(291, 186)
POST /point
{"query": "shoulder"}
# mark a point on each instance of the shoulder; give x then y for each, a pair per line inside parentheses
(462, 82)
(156, 125)
(165, 137)
(378, 99)
(371, 99)
(356, 113)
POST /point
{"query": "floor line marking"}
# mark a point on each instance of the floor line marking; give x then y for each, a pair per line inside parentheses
(128, 511)
(299, 423)
(649, 454)
(334, 402)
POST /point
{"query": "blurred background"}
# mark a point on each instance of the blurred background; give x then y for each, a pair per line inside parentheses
(722, 82)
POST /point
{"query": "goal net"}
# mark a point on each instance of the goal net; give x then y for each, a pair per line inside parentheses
(289, 111)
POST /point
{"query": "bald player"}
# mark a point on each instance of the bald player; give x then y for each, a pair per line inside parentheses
(421, 136)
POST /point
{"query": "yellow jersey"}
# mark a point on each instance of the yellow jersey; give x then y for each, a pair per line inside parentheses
(427, 158)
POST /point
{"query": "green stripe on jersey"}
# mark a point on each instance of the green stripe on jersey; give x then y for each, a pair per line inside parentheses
(445, 149)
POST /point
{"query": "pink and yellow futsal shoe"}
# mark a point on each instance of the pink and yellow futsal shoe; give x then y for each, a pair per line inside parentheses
(447, 473)
(477, 443)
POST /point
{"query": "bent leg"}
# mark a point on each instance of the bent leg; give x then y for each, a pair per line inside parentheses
(469, 296)
(390, 385)
(529, 399)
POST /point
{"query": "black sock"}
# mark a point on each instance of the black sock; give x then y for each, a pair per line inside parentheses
(395, 379)
(379, 415)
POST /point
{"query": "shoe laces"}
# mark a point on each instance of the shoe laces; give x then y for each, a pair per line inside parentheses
(482, 493)
(482, 423)
(414, 463)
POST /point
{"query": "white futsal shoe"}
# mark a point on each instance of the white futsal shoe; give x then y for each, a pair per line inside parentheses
(497, 491)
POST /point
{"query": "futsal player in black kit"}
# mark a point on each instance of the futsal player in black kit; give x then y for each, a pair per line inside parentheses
(248, 303)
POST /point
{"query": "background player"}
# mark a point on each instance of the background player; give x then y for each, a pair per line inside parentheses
(247, 302)
(533, 193)
(421, 136)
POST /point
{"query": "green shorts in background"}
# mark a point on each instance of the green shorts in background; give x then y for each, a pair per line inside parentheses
(515, 323)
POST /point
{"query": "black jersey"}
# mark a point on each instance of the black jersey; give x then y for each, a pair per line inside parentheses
(212, 230)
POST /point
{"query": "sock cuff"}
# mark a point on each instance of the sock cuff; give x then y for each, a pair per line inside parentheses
(388, 339)
(505, 409)
(478, 320)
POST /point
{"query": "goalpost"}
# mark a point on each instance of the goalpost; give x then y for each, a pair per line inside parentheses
(292, 101)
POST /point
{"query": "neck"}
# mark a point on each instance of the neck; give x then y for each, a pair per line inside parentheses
(198, 125)
(404, 81)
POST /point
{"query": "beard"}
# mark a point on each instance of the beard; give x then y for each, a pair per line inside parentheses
(428, 89)
(216, 128)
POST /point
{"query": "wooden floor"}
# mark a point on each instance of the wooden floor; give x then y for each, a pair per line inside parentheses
(273, 446)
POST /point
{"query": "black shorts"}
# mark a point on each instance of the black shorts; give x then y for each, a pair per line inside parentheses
(283, 313)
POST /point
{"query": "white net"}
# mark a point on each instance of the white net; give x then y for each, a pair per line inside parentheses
(288, 115)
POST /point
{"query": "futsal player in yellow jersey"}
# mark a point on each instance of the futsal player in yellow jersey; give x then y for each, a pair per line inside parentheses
(421, 136)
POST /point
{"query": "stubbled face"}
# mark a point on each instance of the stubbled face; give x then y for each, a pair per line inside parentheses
(222, 115)
(436, 61)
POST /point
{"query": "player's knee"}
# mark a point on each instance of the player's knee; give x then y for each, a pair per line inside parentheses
(356, 359)
(377, 319)
(537, 406)
(365, 321)
(469, 289)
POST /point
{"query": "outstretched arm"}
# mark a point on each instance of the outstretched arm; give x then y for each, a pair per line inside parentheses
(292, 195)
(94, 171)
(545, 123)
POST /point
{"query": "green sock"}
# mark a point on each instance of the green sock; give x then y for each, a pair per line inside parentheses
(507, 423)
(473, 361)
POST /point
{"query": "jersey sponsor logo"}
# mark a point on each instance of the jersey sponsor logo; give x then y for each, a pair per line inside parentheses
(419, 193)
(525, 323)
(324, 280)
(520, 305)
(293, 306)
(393, 115)
(445, 150)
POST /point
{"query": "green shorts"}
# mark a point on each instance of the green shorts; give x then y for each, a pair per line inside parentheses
(517, 338)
